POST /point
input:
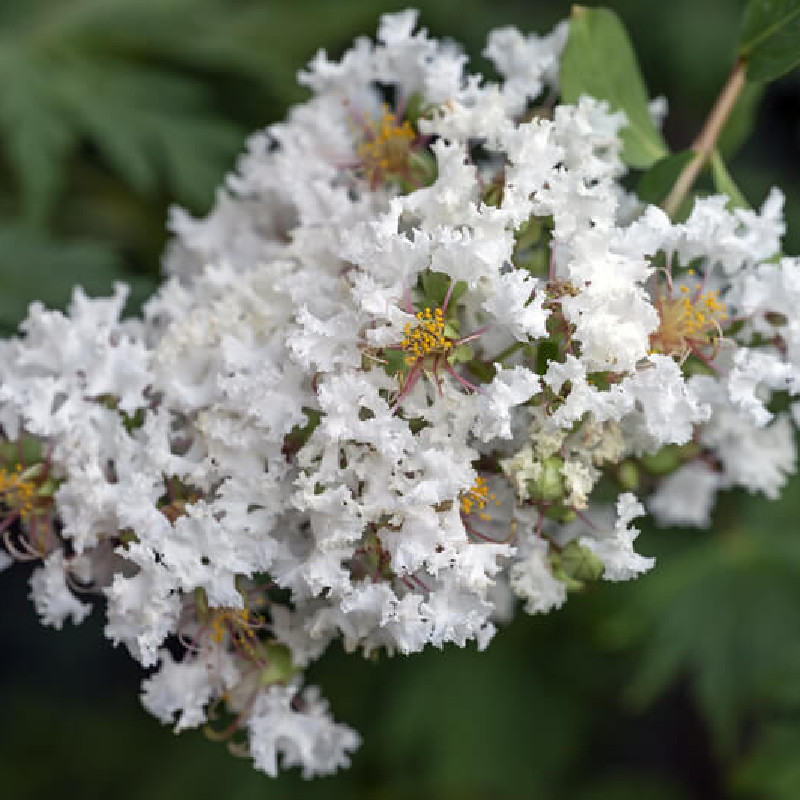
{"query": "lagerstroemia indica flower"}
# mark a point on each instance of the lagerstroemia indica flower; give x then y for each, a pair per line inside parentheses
(380, 388)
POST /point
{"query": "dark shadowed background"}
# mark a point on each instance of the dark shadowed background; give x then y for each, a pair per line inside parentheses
(684, 684)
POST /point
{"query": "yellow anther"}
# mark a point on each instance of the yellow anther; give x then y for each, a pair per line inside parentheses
(386, 147)
(239, 624)
(427, 337)
(17, 493)
(688, 323)
(476, 498)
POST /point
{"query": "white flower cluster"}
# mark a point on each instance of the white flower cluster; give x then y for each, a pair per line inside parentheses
(413, 364)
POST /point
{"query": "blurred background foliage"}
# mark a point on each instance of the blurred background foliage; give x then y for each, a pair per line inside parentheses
(684, 684)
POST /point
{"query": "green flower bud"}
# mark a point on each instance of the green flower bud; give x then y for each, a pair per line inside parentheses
(581, 563)
(628, 475)
(669, 458)
(549, 486)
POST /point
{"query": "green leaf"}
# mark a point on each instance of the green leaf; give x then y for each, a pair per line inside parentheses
(598, 60)
(724, 613)
(724, 183)
(34, 267)
(656, 183)
(772, 770)
(435, 286)
(63, 85)
(22, 452)
(770, 38)
(36, 136)
(630, 787)
(741, 120)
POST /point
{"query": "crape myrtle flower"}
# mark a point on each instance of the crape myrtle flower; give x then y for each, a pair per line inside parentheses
(378, 390)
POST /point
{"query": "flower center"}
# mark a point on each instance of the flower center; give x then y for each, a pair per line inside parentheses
(426, 337)
(689, 323)
(238, 623)
(476, 498)
(386, 147)
(17, 493)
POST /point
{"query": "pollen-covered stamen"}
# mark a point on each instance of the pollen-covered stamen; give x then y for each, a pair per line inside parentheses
(27, 497)
(240, 624)
(426, 337)
(430, 350)
(474, 501)
(18, 492)
(476, 498)
(386, 147)
(689, 322)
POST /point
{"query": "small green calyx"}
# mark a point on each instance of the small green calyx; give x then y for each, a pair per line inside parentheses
(669, 458)
(628, 475)
(580, 563)
(548, 487)
(560, 513)
(279, 667)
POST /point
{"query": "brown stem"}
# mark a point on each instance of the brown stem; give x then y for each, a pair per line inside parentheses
(704, 144)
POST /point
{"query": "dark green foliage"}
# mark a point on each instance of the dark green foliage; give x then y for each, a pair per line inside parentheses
(772, 770)
(599, 61)
(724, 184)
(770, 39)
(741, 121)
(35, 267)
(83, 72)
(654, 185)
(110, 110)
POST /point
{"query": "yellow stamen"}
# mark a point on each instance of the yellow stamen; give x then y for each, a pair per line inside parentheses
(386, 148)
(17, 493)
(239, 624)
(688, 322)
(476, 498)
(426, 337)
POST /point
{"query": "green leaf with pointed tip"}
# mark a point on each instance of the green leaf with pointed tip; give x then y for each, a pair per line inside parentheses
(770, 38)
(656, 183)
(724, 183)
(598, 60)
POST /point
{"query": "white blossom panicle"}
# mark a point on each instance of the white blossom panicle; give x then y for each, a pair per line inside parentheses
(383, 385)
